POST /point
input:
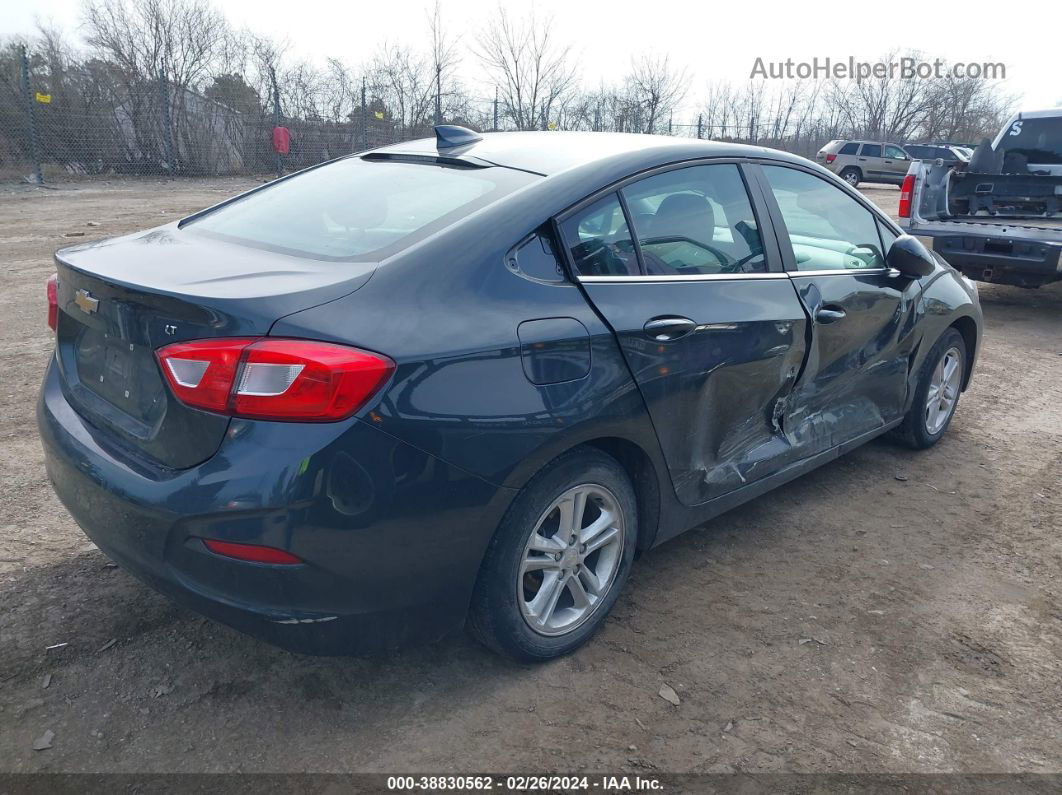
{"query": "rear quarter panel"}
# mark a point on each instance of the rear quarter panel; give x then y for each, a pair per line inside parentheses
(449, 314)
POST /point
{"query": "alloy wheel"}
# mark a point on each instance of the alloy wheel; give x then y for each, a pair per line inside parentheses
(944, 389)
(571, 559)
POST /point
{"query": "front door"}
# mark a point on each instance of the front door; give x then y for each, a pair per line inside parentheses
(708, 323)
(895, 163)
(855, 379)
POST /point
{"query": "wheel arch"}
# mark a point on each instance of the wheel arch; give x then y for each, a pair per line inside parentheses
(967, 327)
(644, 478)
(636, 462)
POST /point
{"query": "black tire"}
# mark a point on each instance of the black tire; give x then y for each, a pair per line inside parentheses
(852, 175)
(496, 615)
(914, 431)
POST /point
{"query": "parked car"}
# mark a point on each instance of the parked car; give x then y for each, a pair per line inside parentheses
(949, 154)
(470, 377)
(865, 161)
(998, 218)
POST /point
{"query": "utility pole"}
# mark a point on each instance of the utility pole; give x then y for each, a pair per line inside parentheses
(38, 174)
(364, 118)
(438, 93)
(167, 122)
(276, 117)
(495, 109)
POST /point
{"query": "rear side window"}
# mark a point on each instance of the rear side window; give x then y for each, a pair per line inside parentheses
(871, 150)
(849, 148)
(536, 258)
(828, 229)
(600, 241)
(695, 220)
(356, 208)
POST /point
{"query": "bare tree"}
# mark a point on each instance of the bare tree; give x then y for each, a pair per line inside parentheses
(655, 88)
(145, 37)
(531, 71)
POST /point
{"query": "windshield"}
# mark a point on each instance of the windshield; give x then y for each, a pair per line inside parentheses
(358, 209)
(1038, 140)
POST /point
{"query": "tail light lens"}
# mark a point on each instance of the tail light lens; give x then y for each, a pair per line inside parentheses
(273, 379)
(830, 158)
(905, 196)
(53, 300)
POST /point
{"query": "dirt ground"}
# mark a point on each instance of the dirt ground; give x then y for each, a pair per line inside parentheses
(891, 612)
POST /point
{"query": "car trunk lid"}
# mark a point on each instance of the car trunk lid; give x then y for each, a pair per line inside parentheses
(121, 300)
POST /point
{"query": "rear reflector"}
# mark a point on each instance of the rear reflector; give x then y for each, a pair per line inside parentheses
(830, 158)
(905, 196)
(53, 300)
(273, 379)
(251, 552)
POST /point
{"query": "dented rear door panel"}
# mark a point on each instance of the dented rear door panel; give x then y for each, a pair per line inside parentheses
(715, 395)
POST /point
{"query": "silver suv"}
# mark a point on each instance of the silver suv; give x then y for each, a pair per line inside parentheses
(865, 161)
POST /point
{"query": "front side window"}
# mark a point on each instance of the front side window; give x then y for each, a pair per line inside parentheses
(828, 229)
(871, 150)
(600, 241)
(356, 208)
(695, 220)
(894, 151)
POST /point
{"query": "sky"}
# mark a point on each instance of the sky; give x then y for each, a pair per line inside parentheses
(712, 40)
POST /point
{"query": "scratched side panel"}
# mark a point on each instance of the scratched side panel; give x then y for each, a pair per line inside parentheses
(855, 379)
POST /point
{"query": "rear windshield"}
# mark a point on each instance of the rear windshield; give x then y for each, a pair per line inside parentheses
(358, 209)
(1038, 140)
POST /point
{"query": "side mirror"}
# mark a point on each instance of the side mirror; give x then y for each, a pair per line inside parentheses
(910, 257)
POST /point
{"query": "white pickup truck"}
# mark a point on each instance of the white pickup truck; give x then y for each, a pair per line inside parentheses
(997, 218)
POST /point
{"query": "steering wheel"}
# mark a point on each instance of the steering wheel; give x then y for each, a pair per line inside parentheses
(724, 260)
(857, 252)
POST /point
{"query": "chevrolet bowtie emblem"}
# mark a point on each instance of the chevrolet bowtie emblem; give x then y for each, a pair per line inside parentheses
(88, 304)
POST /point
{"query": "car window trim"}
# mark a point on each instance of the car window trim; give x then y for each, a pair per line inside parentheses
(788, 260)
(772, 253)
(682, 277)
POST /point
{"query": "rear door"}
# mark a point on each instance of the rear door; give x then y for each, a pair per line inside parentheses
(855, 379)
(710, 327)
(872, 162)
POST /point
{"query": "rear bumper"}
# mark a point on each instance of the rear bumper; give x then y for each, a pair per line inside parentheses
(392, 538)
(1004, 260)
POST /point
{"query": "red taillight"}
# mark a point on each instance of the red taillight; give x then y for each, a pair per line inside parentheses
(905, 196)
(251, 552)
(830, 158)
(273, 379)
(53, 300)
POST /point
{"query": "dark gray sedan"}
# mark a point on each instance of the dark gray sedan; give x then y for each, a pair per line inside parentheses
(465, 379)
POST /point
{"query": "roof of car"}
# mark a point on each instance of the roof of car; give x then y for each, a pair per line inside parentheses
(550, 153)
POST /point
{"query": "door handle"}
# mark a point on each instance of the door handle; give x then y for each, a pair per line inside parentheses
(827, 315)
(665, 329)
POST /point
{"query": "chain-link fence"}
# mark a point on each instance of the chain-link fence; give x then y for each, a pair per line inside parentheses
(91, 118)
(91, 123)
